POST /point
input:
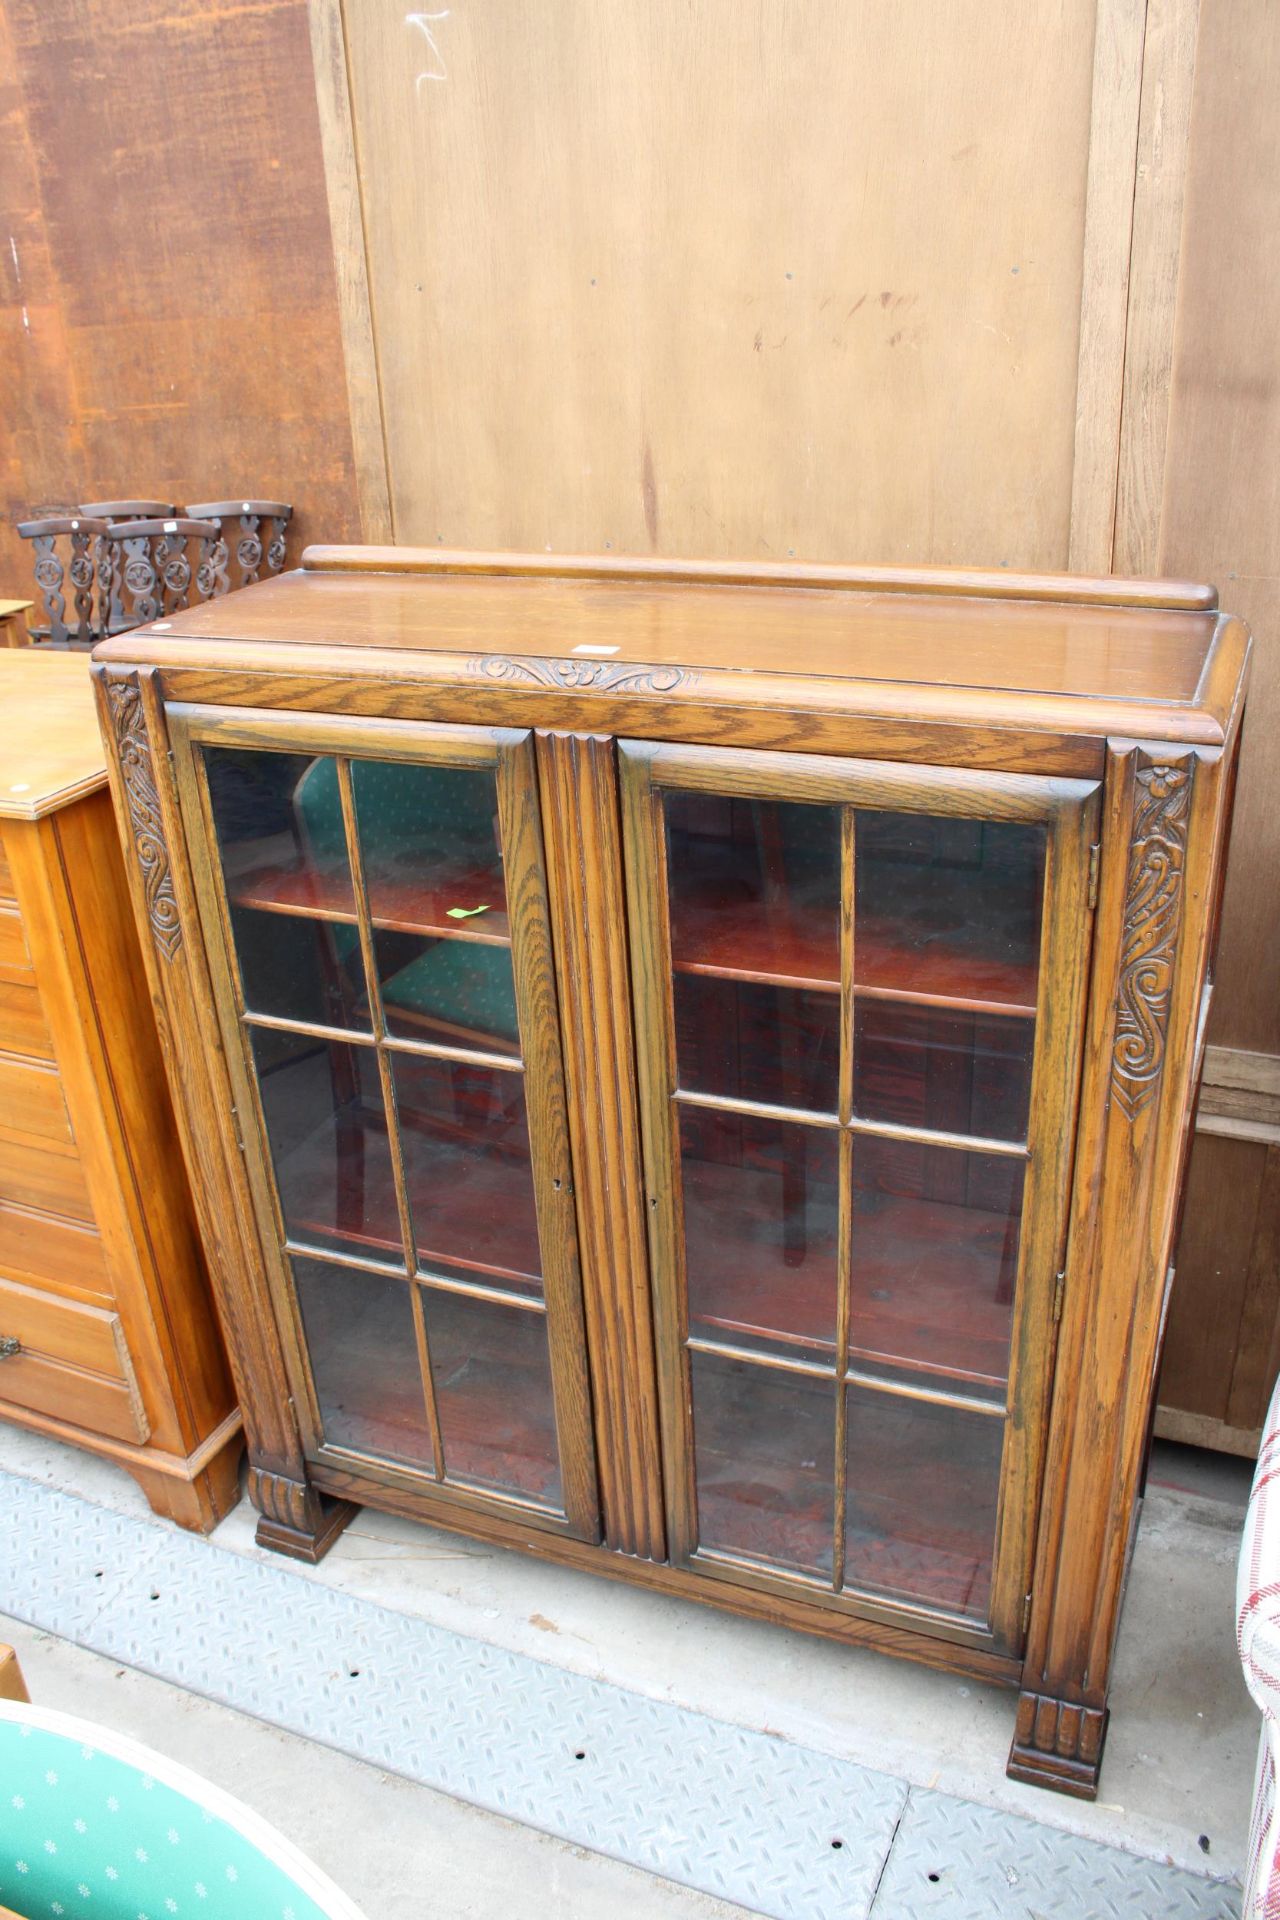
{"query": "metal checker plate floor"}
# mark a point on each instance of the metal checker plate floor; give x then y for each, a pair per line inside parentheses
(741, 1815)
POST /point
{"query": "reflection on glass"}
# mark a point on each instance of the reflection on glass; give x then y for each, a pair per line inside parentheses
(327, 1130)
(465, 1140)
(451, 992)
(922, 1490)
(755, 889)
(945, 1072)
(364, 1361)
(948, 909)
(492, 1377)
(934, 1262)
(298, 968)
(429, 844)
(280, 838)
(769, 1044)
(763, 1444)
(760, 1231)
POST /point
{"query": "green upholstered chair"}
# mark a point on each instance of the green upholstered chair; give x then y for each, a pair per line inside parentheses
(93, 1822)
(416, 822)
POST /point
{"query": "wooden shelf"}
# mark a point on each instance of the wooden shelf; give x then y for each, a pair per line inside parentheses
(925, 1280)
(922, 1483)
(744, 941)
(490, 1372)
(396, 906)
(472, 1215)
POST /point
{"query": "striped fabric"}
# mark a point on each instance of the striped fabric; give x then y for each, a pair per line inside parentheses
(1258, 1638)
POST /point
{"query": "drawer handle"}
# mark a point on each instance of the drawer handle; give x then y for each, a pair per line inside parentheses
(9, 1346)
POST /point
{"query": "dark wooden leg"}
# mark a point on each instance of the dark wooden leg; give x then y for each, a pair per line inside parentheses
(296, 1520)
(1058, 1744)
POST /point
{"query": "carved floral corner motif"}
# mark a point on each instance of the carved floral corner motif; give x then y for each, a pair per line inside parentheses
(133, 751)
(1152, 910)
(602, 676)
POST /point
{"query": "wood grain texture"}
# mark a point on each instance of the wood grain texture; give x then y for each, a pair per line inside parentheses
(346, 222)
(1168, 70)
(1160, 845)
(182, 1006)
(119, 374)
(726, 280)
(580, 816)
(1118, 46)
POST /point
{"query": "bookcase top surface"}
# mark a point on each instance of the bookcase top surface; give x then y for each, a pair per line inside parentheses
(756, 630)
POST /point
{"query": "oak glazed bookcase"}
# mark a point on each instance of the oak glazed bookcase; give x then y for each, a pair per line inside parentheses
(688, 1068)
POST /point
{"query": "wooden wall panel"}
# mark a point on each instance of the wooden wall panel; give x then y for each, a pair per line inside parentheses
(1221, 509)
(753, 277)
(1219, 519)
(168, 312)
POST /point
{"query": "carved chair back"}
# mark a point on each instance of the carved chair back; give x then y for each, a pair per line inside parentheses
(112, 614)
(251, 533)
(67, 549)
(152, 567)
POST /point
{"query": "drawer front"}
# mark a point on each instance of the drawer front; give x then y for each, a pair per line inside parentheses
(31, 1100)
(34, 1176)
(23, 1027)
(52, 1252)
(70, 1362)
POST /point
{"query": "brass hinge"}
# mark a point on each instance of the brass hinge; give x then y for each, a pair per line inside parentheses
(1026, 1613)
(235, 1121)
(1095, 862)
(1059, 1288)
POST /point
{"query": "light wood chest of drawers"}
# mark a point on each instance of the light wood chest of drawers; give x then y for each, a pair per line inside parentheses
(107, 1334)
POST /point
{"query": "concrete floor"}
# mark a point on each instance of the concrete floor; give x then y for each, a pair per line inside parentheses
(1178, 1770)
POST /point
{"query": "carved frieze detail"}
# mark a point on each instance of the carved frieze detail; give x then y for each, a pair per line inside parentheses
(133, 750)
(602, 676)
(1152, 910)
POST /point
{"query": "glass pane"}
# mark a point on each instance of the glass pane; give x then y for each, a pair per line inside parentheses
(328, 1135)
(451, 992)
(760, 1200)
(934, 1263)
(772, 1044)
(492, 1379)
(923, 1483)
(755, 889)
(948, 909)
(764, 1456)
(295, 968)
(466, 1156)
(364, 1361)
(279, 828)
(948, 1072)
(429, 842)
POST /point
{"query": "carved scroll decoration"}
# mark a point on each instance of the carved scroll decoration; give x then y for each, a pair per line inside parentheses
(133, 750)
(1152, 909)
(601, 675)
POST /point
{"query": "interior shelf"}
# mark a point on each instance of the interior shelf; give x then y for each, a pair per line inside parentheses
(926, 1294)
(490, 1374)
(395, 905)
(473, 1214)
(735, 940)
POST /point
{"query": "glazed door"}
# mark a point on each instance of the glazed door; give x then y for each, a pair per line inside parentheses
(375, 914)
(859, 993)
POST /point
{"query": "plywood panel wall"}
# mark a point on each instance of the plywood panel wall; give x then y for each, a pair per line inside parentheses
(752, 277)
(168, 319)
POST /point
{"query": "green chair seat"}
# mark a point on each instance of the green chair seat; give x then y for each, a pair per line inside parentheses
(92, 1822)
(460, 983)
